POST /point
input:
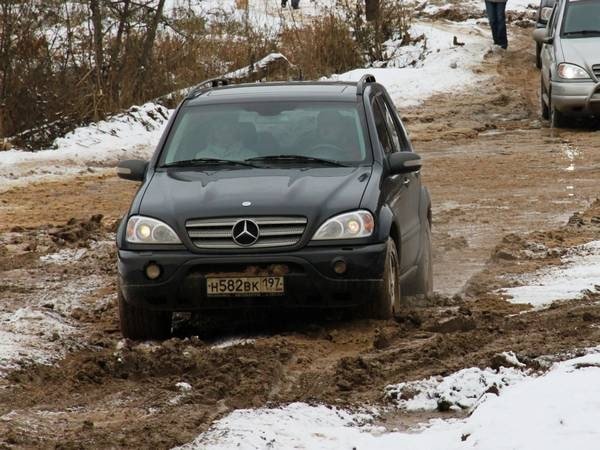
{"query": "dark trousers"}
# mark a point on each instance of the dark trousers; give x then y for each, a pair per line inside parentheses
(496, 12)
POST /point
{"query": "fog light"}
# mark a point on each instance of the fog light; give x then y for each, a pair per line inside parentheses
(153, 271)
(340, 266)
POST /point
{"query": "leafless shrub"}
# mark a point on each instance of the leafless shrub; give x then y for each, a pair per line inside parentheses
(321, 47)
(392, 21)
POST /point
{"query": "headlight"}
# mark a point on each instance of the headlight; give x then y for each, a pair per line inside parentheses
(571, 72)
(355, 224)
(545, 14)
(145, 230)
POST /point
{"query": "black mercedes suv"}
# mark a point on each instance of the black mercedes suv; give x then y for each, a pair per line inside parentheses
(295, 194)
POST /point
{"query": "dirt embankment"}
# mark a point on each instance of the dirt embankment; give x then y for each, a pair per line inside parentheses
(504, 188)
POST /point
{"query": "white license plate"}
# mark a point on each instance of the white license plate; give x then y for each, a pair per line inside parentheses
(244, 286)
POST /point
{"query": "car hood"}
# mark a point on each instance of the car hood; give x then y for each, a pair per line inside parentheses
(583, 52)
(177, 195)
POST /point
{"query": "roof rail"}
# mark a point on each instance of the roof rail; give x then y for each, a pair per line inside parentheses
(361, 85)
(208, 84)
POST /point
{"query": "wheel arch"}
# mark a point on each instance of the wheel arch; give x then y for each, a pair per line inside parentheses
(389, 227)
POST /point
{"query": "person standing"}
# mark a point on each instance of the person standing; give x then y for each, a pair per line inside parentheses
(496, 13)
(295, 3)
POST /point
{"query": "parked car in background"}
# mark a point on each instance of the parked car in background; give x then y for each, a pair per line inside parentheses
(570, 72)
(544, 13)
(274, 195)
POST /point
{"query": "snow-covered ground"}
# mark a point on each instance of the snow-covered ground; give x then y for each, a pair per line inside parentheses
(532, 413)
(445, 67)
(579, 272)
(458, 391)
(37, 326)
(129, 135)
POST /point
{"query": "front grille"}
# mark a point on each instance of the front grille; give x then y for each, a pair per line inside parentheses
(274, 232)
(596, 70)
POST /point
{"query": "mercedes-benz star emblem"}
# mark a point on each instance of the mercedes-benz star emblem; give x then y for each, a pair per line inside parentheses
(245, 232)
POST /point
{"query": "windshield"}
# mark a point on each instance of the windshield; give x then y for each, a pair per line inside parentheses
(268, 133)
(582, 19)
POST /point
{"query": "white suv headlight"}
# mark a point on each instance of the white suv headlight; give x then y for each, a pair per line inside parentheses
(572, 72)
(351, 225)
(146, 230)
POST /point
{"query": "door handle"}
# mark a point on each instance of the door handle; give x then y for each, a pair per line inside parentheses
(406, 181)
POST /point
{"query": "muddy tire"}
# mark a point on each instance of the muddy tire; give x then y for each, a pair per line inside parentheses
(422, 282)
(545, 109)
(386, 299)
(142, 324)
(557, 119)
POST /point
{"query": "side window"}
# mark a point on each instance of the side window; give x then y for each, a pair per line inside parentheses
(552, 21)
(380, 124)
(398, 134)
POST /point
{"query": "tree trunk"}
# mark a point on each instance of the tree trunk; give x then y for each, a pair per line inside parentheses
(145, 58)
(372, 9)
(98, 52)
(115, 53)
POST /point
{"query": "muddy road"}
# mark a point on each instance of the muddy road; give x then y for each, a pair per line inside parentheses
(501, 182)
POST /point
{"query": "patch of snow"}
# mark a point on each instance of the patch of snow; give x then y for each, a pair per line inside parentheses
(43, 330)
(444, 67)
(183, 386)
(64, 256)
(511, 358)
(559, 410)
(27, 335)
(458, 391)
(297, 425)
(231, 342)
(132, 134)
(260, 64)
(579, 272)
(479, 5)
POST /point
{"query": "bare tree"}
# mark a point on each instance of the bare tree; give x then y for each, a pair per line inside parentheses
(98, 52)
(372, 9)
(145, 57)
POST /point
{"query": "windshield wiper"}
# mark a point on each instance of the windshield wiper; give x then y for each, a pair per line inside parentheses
(206, 161)
(570, 33)
(297, 158)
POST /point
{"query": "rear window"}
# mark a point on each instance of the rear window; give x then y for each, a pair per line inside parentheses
(582, 19)
(327, 130)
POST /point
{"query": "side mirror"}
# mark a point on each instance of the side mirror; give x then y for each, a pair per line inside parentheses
(540, 36)
(132, 169)
(404, 162)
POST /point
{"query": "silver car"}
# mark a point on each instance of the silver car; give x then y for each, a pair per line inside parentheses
(570, 56)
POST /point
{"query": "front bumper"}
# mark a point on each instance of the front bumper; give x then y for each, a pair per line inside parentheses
(576, 98)
(309, 282)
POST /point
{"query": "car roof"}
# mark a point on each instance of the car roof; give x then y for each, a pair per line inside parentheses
(280, 91)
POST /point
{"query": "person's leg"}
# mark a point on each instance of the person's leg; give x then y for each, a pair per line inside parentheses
(501, 25)
(490, 8)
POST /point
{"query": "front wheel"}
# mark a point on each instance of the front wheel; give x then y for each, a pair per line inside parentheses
(557, 119)
(545, 109)
(142, 324)
(422, 283)
(387, 297)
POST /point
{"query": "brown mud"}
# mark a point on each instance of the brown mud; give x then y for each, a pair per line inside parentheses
(510, 196)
